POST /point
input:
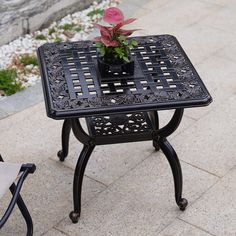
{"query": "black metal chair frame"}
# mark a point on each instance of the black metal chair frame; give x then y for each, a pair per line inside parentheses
(17, 199)
(158, 135)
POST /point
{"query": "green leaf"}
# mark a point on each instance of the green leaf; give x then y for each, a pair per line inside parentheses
(8, 81)
(134, 42)
(57, 40)
(98, 11)
(27, 59)
(118, 50)
(99, 44)
(126, 42)
(51, 31)
(126, 59)
(67, 26)
(40, 37)
(78, 29)
(102, 51)
(122, 37)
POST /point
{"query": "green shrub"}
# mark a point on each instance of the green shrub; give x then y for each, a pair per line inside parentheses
(67, 26)
(78, 29)
(57, 40)
(51, 31)
(28, 60)
(98, 11)
(40, 37)
(8, 82)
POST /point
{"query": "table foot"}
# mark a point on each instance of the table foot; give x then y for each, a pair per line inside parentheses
(65, 135)
(74, 216)
(61, 156)
(182, 204)
(78, 181)
(173, 160)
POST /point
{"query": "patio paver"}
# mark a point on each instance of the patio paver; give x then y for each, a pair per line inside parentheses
(215, 210)
(139, 203)
(212, 147)
(132, 193)
(181, 228)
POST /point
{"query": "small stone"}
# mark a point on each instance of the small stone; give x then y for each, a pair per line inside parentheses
(29, 67)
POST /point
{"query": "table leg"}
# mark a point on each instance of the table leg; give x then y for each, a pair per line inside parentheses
(173, 160)
(155, 122)
(78, 180)
(65, 135)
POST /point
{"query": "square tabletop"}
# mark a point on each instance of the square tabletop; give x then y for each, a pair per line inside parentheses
(164, 78)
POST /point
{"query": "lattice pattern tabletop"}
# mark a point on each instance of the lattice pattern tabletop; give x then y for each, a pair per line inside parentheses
(164, 78)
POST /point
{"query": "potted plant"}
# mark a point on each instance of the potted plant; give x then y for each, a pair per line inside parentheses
(113, 44)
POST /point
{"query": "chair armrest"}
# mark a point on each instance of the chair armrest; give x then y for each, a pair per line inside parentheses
(29, 166)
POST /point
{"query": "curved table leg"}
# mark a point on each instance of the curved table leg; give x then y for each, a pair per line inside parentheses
(173, 160)
(78, 180)
(65, 135)
(155, 122)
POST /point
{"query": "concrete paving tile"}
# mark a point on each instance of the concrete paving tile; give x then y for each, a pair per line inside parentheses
(180, 228)
(48, 195)
(211, 141)
(29, 136)
(140, 203)
(215, 71)
(218, 74)
(3, 114)
(219, 2)
(165, 116)
(109, 162)
(215, 210)
(174, 16)
(54, 232)
(200, 41)
(135, 10)
(22, 100)
(228, 52)
(133, 6)
(15, 224)
(224, 19)
(152, 5)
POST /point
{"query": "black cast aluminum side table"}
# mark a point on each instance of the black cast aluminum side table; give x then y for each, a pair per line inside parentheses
(119, 108)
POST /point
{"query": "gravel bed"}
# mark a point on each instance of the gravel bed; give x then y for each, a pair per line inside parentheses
(73, 27)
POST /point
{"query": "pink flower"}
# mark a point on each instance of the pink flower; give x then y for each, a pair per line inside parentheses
(113, 15)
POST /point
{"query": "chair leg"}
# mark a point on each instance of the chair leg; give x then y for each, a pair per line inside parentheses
(24, 211)
(78, 180)
(173, 160)
(65, 135)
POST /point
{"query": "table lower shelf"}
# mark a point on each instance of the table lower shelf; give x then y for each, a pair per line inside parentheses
(120, 128)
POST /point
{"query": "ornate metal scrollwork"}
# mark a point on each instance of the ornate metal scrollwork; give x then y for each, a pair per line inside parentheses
(165, 75)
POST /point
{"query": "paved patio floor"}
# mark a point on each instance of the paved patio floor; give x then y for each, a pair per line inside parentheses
(128, 188)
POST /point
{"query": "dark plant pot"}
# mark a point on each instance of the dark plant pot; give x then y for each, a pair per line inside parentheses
(118, 69)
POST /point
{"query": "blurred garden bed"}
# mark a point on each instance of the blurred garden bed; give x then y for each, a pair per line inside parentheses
(18, 61)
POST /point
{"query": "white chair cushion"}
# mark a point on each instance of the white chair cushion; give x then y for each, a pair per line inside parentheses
(8, 174)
